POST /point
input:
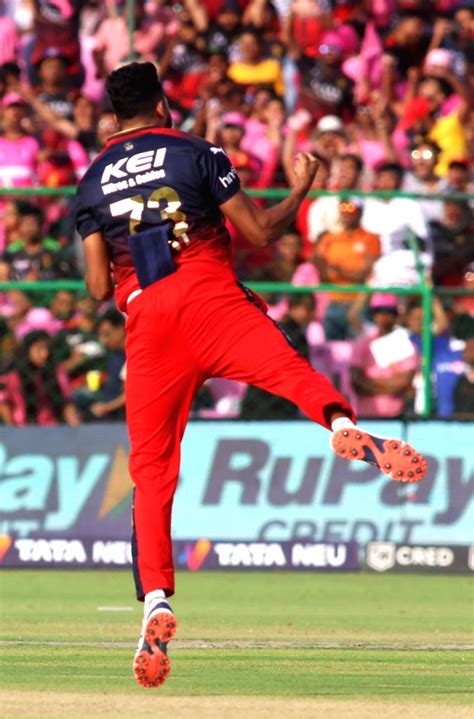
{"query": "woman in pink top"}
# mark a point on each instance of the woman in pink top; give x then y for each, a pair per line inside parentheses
(36, 391)
(370, 135)
(263, 134)
(381, 380)
(18, 151)
(112, 42)
(9, 40)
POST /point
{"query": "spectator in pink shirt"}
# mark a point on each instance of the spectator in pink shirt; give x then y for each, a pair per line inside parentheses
(23, 318)
(9, 40)
(370, 135)
(36, 391)
(112, 44)
(18, 151)
(382, 373)
(262, 136)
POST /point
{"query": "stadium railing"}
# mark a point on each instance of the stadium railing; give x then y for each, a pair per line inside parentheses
(424, 288)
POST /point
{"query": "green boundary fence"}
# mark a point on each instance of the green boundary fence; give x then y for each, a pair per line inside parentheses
(424, 289)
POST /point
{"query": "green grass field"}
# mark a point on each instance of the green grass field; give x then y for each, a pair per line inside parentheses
(248, 645)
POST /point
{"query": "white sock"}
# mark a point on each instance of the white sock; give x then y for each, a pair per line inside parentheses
(153, 597)
(341, 423)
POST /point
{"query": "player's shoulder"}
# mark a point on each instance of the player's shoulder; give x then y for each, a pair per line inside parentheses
(204, 146)
(197, 143)
(138, 141)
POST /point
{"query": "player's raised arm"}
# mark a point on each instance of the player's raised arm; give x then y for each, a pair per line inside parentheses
(98, 277)
(262, 226)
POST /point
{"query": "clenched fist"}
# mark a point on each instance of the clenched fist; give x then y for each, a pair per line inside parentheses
(306, 167)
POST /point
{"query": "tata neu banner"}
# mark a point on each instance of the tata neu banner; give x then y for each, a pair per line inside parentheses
(257, 482)
(192, 555)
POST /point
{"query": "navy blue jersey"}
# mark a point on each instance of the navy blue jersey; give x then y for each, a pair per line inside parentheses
(145, 177)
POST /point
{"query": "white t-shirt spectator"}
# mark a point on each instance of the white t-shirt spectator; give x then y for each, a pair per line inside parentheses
(324, 216)
(394, 221)
(432, 209)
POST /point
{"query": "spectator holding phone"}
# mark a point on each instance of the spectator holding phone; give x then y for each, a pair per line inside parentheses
(383, 363)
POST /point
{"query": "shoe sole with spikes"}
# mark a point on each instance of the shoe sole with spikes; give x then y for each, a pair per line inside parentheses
(151, 664)
(393, 457)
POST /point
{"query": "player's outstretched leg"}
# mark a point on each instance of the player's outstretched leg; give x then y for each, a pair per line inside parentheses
(392, 456)
(151, 664)
(248, 347)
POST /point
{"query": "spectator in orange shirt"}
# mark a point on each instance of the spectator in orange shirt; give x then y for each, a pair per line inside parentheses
(344, 258)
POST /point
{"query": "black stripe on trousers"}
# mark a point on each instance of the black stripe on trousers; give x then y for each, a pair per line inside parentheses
(136, 573)
(252, 299)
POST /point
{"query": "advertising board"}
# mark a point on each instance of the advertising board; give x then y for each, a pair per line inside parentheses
(387, 556)
(260, 482)
(193, 555)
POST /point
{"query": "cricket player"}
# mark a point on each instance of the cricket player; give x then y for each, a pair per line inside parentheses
(151, 210)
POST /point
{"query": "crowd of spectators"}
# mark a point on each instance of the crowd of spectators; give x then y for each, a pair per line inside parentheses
(379, 90)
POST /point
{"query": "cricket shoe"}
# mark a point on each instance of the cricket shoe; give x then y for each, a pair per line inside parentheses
(151, 664)
(392, 456)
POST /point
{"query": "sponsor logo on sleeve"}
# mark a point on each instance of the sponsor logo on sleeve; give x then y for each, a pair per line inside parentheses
(229, 178)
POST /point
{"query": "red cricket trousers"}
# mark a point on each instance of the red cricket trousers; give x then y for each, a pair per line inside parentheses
(195, 324)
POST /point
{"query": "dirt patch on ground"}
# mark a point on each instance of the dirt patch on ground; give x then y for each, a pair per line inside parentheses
(39, 705)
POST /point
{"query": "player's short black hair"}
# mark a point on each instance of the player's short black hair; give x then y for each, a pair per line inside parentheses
(134, 89)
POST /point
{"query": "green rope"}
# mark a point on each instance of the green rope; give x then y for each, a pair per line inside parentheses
(272, 287)
(274, 193)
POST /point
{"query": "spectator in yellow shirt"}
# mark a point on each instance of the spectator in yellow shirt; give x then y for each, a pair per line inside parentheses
(448, 131)
(253, 69)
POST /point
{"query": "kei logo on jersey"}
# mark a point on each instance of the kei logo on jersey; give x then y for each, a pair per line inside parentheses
(142, 165)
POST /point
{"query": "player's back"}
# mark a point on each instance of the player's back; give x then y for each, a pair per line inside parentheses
(151, 175)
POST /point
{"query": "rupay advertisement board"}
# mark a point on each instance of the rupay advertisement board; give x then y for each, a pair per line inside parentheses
(254, 482)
